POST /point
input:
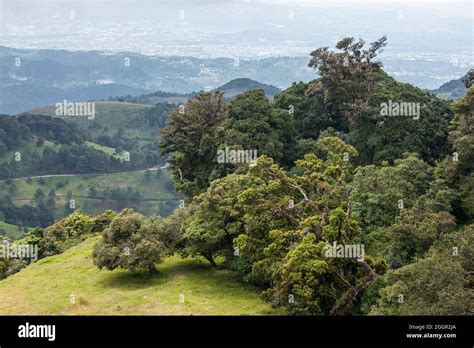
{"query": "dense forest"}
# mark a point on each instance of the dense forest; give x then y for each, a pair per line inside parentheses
(59, 147)
(359, 201)
(44, 148)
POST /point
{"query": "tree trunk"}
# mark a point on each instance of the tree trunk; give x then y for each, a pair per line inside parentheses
(347, 298)
(210, 259)
(152, 270)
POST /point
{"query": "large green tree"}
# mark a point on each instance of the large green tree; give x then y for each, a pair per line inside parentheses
(353, 88)
(192, 138)
(380, 193)
(274, 228)
(253, 126)
(347, 78)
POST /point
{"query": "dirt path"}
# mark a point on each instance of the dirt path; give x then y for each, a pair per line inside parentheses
(98, 174)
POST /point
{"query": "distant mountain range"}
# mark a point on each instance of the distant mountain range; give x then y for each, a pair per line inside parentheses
(230, 89)
(453, 89)
(32, 78)
(237, 86)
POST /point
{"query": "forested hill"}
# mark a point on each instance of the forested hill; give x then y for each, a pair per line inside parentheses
(361, 190)
(103, 162)
(230, 89)
(39, 144)
(237, 86)
(351, 194)
(451, 90)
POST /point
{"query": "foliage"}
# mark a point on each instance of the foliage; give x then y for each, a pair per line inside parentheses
(192, 137)
(129, 242)
(440, 284)
(347, 78)
(459, 167)
(65, 233)
(376, 191)
(274, 228)
(252, 125)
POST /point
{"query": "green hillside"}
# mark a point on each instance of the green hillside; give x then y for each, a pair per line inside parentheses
(110, 114)
(103, 109)
(158, 196)
(11, 231)
(32, 148)
(138, 121)
(241, 85)
(49, 286)
(100, 163)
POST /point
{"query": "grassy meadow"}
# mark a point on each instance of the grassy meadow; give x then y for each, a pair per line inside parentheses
(69, 284)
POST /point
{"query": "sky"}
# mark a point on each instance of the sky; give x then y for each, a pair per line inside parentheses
(236, 28)
(429, 41)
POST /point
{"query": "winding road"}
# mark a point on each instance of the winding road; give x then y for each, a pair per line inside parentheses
(96, 174)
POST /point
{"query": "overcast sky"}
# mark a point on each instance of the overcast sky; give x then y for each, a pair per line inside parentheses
(419, 26)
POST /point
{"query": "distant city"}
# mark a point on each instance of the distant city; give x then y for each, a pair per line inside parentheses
(426, 53)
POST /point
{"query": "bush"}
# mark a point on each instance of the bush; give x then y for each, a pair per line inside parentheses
(66, 233)
(130, 242)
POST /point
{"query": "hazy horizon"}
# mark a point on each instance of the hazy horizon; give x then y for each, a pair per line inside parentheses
(429, 43)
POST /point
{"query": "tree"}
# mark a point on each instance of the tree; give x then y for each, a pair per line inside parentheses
(459, 166)
(411, 236)
(68, 209)
(39, 196)
(192, 138)
(352, 88)
(252, 125)
(169, 230)
(309, 114)
(129, 242)
(386, 138)
(65, 233)
(51, 202)
(274, 229)
(468, 79)
(93, 192)
(347, 78)
(378, 194)
(210, 231)
(147, 175)
(435, 285)
(3, 149)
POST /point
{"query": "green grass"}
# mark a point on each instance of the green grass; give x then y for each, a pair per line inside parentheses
(79, 184)
(105, 149)
(45, 288)
(11, 231)
(100, 106)
(109, 114)
(154, 190)
(109, 117)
